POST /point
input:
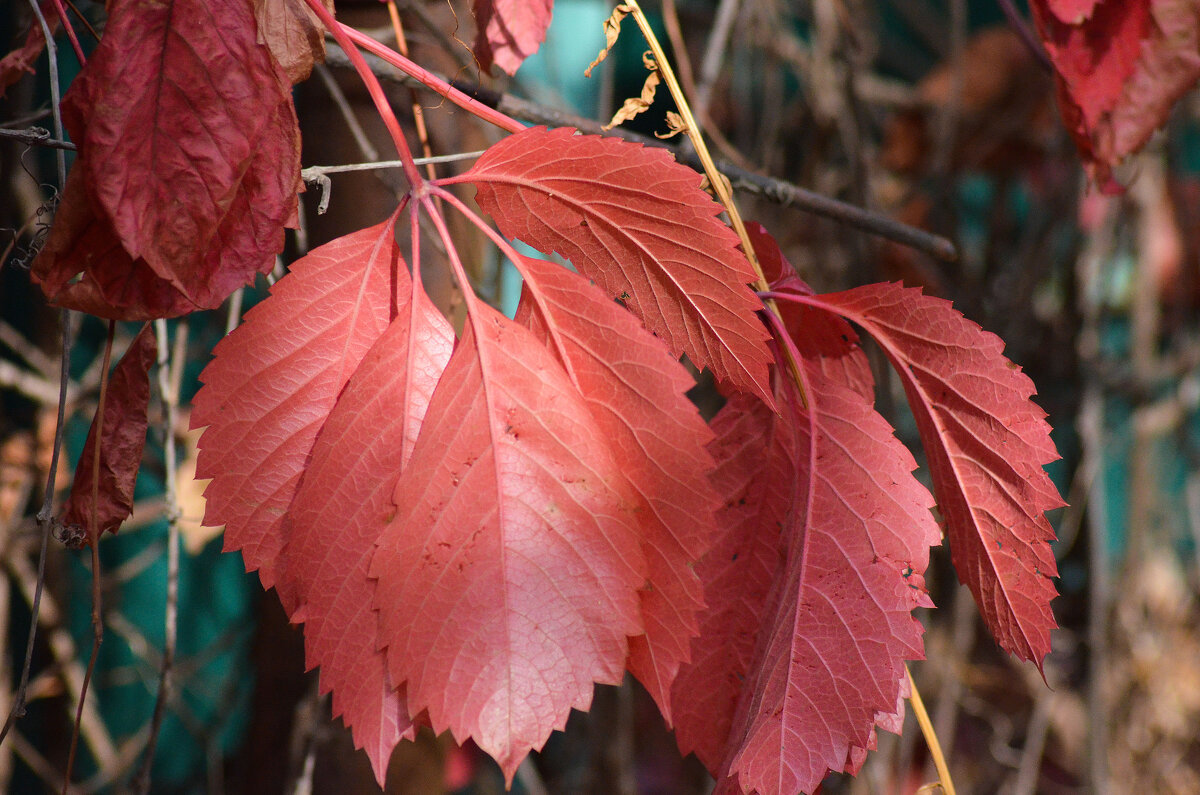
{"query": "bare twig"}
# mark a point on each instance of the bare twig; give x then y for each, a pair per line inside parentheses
(36, 136)
(94, 537)
(170, 369)
(314, 173)
(771, 189)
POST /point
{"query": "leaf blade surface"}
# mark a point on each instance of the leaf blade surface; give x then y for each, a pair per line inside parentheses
(512, 544)
(635, 222)
(274, 380)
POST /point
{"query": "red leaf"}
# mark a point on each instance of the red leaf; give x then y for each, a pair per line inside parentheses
(121, 443)
(825, 341)
(507, 582)
(827, 664)
(185, 129)
(293, 34)
(19, 62)
(755, 475)
(635, 391)
(1121, 66)
(341, 507)
(637, 223)
(986, 442)
(1072, 12)
(275, 379)
(509, 31)
(113, 285)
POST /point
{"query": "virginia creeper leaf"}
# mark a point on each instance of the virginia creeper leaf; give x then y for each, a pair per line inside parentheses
(986, 442)
(179, 115)
(274, 380)
(811, 682)
(340, 509)
(112, 284)
(507, 582)
(122, 440)
(293, 34)
(19, 62)
(636, 222)
(756, 478)
(826, 341)
(1120, 68)
(635, 391)
(509, 31)
(830, 656)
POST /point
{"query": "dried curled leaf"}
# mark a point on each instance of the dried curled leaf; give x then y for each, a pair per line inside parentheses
(612, 30)
(635, 105)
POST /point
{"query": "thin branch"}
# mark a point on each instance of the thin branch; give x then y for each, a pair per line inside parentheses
(170, 369)
(36, 136)
(314, 173)
(94, 537)
(772, 189)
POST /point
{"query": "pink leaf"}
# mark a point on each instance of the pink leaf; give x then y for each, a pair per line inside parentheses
(121, 443)
(274, 381)
(635, 391)
(509, 31)
(986, 442)
(507, 582)
(341, 507)
(637, 223)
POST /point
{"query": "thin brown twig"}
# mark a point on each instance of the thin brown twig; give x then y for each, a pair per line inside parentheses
(36, 136)
(84, 20)
(772, 189)
(94, 537)
(45, 514)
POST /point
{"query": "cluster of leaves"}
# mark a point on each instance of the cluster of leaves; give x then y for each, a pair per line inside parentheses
(476, 530)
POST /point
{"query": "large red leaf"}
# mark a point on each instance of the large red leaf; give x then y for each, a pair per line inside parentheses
(185, 129)
(509, 31)
(821, 662)
(121, 443)
(830, 659)
(1121, 66)
(637, 223)
(341, 507)
(275, 379)
(508, 580)
(986, 442)
(635, 391)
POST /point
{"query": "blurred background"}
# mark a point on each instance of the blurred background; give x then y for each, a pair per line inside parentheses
(934, 113)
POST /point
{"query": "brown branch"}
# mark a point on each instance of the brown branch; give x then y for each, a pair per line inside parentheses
(36, 136)
(770, 188)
